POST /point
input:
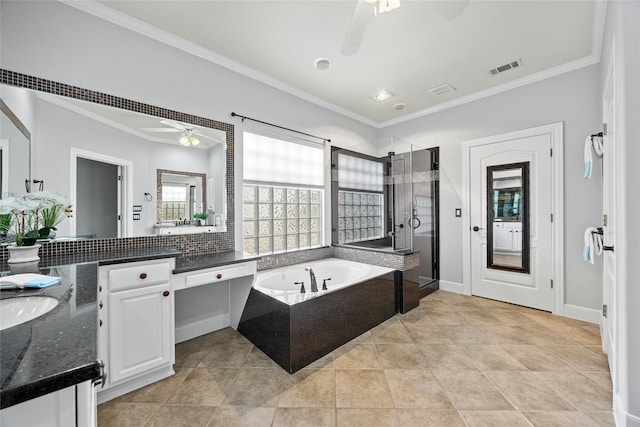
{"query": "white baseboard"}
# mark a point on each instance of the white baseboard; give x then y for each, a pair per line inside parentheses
(621, 416)
(581, 313)
(201, 327)
(458, 288)
(130, 384)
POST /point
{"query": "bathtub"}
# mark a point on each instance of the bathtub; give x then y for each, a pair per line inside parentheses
(297, 329)
(278, 283)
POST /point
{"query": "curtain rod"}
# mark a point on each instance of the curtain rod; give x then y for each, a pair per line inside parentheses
(279, 127)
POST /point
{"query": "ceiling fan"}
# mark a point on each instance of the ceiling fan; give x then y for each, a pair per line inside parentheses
(189, 132)
(365, 10)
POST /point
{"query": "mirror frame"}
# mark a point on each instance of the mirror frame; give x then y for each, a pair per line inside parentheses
(526, 261)
(23, 129)
(224, 240)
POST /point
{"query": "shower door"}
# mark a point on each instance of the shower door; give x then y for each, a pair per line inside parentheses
(401, 188)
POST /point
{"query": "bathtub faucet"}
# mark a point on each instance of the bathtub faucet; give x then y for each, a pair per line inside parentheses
(314, 284)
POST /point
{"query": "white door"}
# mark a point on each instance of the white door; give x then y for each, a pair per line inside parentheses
(139, 330)
(609, 214)
(525, 277)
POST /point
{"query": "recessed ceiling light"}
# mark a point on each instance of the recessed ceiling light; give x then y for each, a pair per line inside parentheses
(382, 95)
(322, 63)
(399, 106)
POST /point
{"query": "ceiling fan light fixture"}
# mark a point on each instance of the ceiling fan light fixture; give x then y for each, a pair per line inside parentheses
(189, 140)
(387, 5)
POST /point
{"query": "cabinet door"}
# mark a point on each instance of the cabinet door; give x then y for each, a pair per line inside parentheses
(517, 240)
(139, 330)
(502, 239)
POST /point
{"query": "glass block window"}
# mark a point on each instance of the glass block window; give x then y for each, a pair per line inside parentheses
(282, 195)
(360, 216)
(281, 219)
(174, 202)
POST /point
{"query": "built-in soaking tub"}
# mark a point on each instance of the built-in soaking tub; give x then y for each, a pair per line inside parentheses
(295, 329)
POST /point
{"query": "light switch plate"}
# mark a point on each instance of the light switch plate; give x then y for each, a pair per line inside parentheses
(458, 212)
(136, 216)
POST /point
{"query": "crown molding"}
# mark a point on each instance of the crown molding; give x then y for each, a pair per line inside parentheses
(102, 11)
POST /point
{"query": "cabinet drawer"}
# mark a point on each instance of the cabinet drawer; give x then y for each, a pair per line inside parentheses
(218, 275)
(137, 276)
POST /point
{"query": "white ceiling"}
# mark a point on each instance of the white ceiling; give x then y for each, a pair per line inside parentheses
(406, 51)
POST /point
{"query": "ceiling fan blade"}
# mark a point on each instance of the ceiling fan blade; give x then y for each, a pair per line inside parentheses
(173, 124)
(207, 137)
(449, 9)
(360, 19)
(160, 130)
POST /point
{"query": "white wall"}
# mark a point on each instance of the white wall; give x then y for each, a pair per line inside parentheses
(622, 26)
(572, 98)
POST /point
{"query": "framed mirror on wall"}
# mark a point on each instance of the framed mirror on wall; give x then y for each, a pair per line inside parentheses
(15, 153)
(508, 217)
(146, 138)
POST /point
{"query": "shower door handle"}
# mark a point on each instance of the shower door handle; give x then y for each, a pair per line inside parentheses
(415, 218)
(400, 225)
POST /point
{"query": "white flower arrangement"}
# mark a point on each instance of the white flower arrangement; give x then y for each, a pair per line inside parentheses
(26, 215)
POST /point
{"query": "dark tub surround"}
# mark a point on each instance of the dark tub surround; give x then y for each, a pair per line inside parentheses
(57, 349)
(296, 335)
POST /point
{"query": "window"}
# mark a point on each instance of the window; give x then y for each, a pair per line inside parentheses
(174, 202)
(282, 195)
(360, 199)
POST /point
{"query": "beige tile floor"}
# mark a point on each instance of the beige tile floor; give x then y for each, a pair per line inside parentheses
(454, 361)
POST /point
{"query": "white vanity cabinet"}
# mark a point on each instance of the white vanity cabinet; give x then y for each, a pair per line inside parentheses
(507, 236)
(136, 333)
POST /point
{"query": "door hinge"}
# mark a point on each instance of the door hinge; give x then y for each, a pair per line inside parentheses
(604, 310)
(604, 220)
(550, 152)
(120, 177)
(551, 216)
(604, 129)
(551, 283)
(119, 217)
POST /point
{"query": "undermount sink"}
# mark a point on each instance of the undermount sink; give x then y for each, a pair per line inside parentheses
(14, 311)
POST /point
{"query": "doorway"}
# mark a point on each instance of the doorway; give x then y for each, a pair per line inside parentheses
(513, 222)
(100, 190)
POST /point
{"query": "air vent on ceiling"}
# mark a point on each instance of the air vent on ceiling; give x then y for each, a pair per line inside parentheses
(442, 89)
(506, 67)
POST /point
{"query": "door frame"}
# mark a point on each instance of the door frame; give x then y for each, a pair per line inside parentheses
(555, 132)
(127, 186)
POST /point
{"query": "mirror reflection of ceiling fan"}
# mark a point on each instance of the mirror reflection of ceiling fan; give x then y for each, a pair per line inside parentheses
(366, 10)
(189, 132)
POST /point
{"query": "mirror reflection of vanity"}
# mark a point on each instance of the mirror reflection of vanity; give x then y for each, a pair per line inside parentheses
(73, 137)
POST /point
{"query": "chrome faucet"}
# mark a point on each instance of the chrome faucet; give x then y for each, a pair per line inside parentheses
(314, 284)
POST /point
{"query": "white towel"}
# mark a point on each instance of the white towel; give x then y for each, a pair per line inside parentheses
(595, 143)
(593, 244)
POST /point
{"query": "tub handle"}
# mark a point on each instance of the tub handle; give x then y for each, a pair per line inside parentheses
(302, 289)
(324, 283)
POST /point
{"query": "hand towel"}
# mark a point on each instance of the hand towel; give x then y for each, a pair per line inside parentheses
(30, 280)
(593, 244)
(595, 143)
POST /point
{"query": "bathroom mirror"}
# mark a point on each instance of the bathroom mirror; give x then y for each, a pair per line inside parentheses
(137, 140)
(15, 153)
(508, 217)
(181, 195)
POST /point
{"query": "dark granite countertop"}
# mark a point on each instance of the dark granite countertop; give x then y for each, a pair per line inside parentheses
(185, 263)
(57, 349)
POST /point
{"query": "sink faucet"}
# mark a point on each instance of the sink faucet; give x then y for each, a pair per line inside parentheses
(314, 284)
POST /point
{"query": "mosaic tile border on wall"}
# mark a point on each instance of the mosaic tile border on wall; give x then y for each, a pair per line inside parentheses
(188, 244)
